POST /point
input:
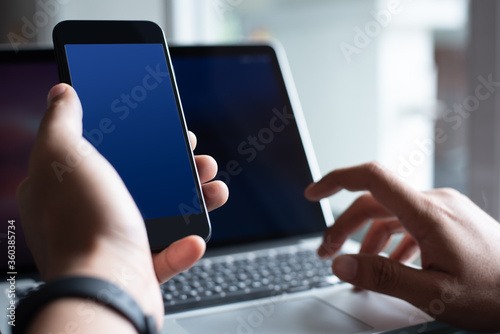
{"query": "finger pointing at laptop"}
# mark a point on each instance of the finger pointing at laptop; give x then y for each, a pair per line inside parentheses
(459, 243)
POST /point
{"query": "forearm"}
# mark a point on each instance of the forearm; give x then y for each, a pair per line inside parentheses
(75, 315)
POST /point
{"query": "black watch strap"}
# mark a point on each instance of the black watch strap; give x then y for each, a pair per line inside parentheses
(89, 288)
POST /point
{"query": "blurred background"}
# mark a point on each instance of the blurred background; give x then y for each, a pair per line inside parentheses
(411, 84)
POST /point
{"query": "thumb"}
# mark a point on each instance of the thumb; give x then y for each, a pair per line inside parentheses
(179, 256)
(63, 119)
(59, 144)
(380, 274)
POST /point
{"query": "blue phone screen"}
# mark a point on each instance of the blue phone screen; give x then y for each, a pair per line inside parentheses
(130, 115)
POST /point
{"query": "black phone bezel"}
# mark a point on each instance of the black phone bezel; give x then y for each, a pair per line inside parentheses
(131, 32)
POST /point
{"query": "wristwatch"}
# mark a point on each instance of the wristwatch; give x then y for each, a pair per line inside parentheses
(94, 289)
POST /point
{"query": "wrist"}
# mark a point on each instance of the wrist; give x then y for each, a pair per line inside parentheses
(73, 315)
(86, 289)
(134, 276)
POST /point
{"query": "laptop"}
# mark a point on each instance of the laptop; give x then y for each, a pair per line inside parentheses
(260, 273)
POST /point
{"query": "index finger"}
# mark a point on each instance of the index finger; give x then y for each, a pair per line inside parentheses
(391, 192)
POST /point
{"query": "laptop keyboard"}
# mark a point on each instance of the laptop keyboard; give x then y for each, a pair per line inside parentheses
(246, 277)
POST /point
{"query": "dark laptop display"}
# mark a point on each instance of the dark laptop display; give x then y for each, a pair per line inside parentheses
(25, 80)
(234, 100)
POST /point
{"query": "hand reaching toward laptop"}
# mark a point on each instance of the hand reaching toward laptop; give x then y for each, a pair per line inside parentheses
(88, 224)
(459, 282)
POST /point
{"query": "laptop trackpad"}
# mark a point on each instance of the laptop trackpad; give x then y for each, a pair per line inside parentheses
(306, 315)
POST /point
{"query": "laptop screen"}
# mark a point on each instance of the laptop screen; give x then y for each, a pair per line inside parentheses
(234, 100)
(25, 80)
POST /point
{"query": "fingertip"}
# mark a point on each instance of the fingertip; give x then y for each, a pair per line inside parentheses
(192, 140)
(178, 257)
(322, 252)
(63, 104)
(193, 246)
(207, 167)
(308, 192)
(61, 125)
(197, 243)
(345, 267)
(56, 91)
(225, 192)
(187, 251)
(216, 194)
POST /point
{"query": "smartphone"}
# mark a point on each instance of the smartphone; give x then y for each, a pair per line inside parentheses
(133, 115)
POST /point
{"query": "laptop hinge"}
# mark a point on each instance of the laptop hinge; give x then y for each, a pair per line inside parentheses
(308, 238)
